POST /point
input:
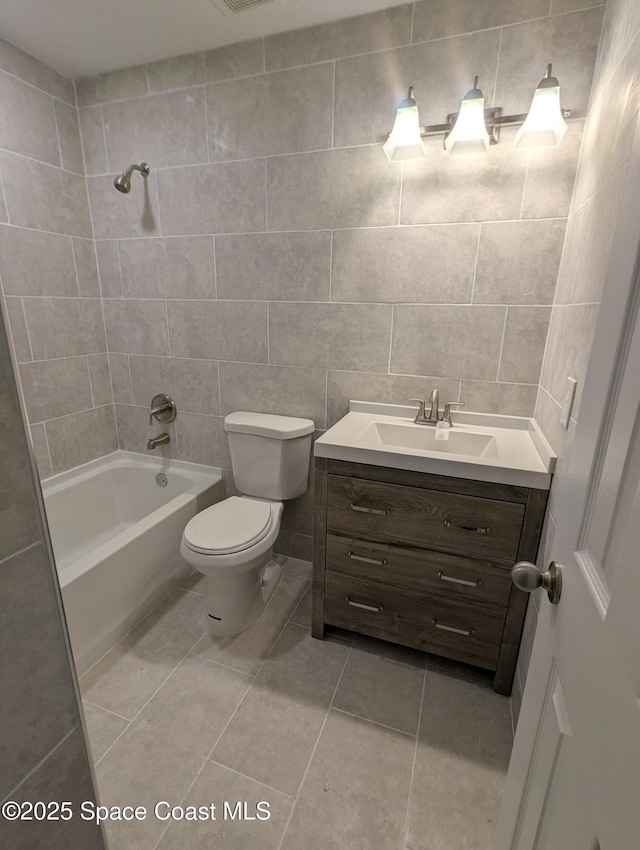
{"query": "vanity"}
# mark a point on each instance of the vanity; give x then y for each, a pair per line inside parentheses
(415, 538)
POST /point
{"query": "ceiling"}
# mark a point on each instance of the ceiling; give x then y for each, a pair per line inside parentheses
(79, 37)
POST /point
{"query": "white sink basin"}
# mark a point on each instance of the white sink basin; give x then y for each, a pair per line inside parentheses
(423, 437)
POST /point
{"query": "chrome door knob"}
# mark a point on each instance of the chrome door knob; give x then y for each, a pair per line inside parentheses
(526, 576)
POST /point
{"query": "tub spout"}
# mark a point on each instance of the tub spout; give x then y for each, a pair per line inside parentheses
(160, 440)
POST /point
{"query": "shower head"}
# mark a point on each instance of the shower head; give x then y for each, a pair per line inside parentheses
(123, 182)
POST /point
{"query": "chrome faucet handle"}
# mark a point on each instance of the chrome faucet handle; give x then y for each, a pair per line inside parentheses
(421, 416)
(163, 408)
(446, 416)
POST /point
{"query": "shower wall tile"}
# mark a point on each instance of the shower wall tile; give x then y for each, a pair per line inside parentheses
(36, 263)
(550, 179)
(64, 327)
(81, 437)
(134, 431)
(223, 330)
(290, 111)
(41, 450)
(93, 139)
(168, 268)
(27, 121)
(18, 329)
(201, 439)
(442, 18)
(274, 266)
(234, 60)
(455, 342)
(177, 72)
(30, 70)
(284, 390)
(55, 387)
(114, 85)
(351, 187)
(490, 397)
(369, 87)
(100, 374)
(222, 198)
(560, 6)
(523, 344)
(337, 336)
(136, 327)
(84, 253)
(121, 216)
(363, 34)
(421, 264)
(192, 384)
(69, 136)
(121, 378)
(108, 257)
(147, 125)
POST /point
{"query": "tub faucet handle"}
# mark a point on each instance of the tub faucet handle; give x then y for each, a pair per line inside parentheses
(446, 416)
(163, 408)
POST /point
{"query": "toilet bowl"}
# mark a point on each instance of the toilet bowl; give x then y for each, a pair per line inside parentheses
(231, 543)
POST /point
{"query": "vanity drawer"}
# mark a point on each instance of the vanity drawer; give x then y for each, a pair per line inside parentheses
(391, 513)
(462, 632)
(456, 577)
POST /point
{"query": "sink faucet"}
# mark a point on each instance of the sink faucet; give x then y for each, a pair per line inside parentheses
(434, 414)
(160, 440)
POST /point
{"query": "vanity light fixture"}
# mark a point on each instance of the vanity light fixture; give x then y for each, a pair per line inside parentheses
(475, 127)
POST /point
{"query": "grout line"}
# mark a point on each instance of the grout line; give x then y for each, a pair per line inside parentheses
(93, 398)
(401, 194)
(41, 161)
(415, 757)
(264, 55)
(20, 552)
(331, 266)
(251, 778)
(37, 767)
(206, 124)
(495, 79)
(57, 126)
(104, 137)
(108, 710)
(266, 194)
(75, 267)
(475, 267)
(326, 400)
(376, 722)
(393, 314)
(504, 333)
(333, 108)
(4, 199)
(37, 88)
(26, 327)
(524, 189)
(217, 362)
(46, 439)
(413, 18)
(215, 268)
(146, 74)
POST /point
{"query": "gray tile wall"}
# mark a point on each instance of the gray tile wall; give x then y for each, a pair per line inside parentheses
(48, 268)
(608, 137)
(274, 260)
(44, 756)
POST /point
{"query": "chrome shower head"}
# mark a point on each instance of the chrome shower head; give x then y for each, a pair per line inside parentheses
(123, 182)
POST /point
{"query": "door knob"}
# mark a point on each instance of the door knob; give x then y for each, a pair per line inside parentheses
(526, 576)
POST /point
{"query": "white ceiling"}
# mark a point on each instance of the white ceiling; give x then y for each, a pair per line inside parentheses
(78, 37)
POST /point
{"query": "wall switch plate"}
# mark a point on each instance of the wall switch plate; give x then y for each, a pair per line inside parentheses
(567, 402)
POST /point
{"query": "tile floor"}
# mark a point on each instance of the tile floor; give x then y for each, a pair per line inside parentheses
(354, 743)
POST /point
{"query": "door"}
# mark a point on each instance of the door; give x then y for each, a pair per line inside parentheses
(574, 776)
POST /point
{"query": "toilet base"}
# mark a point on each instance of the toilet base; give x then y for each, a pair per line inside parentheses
(246, 599)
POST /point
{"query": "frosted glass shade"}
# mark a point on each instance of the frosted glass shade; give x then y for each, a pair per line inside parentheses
(469, 134)
(544, 126)
(405, 141)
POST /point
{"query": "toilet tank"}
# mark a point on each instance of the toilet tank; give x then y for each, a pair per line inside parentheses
(269, 454)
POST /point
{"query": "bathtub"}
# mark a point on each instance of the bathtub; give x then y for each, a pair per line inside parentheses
(116, 539)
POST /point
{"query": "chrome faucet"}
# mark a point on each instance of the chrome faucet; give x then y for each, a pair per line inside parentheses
(434, 414)
(163, 409)
(160, 440)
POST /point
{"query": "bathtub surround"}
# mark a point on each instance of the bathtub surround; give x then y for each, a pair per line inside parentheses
(43, 750)
(289, 263)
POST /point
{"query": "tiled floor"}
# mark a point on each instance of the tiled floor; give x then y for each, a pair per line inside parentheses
(355, 744)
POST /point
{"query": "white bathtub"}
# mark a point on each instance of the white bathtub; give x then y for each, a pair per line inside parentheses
(116, 539)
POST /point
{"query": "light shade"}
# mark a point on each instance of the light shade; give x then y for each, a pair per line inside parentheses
(405, 141)
(544, 126)
(469, 133)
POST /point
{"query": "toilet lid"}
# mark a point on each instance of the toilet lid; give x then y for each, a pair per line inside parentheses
(228, 526)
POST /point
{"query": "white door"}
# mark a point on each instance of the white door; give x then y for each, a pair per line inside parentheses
(574, 777)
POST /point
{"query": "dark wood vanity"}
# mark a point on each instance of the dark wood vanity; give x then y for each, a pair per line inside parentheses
(424, 560)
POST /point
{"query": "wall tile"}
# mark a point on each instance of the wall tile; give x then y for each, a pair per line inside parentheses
(134, 431)
(464, 188)
(55, 387)
(108, 257)
(168, 268)
(121, 378)
(342, 387)
(4, 215)
(201, 439)
(462, 342)
(81, 437)
(27, 121)
(523, 345)
(41, 450)
(21, 65)
(136, 327)
(294, 545)
(225, 330)
(86, 268)
(274, 266)
(560, 6)
(69, 135)
(548, 418)
(177, 72)
(145, 128)
(550, 177)
(18, 327)
(369, 88)
(518, 262)
(283, 390)
(422, 264)
(93, 143)
(222, 198)
(570, 42)
(290, 111)
(59, 204)
(234, 60)
(64, 327)
(351, 188)
(121, 216)
(113, 85)
(192, 384)
(440, 18)
(35, 263)
(100, 375)
(364, 34)
(489, 397)
(337, 336)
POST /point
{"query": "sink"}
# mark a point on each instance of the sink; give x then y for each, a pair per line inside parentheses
(423, 437)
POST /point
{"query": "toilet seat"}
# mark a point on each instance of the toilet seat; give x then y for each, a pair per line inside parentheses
(229, 526)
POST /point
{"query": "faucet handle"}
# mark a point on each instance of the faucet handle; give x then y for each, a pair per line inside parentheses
(446, 416)
(420, 415)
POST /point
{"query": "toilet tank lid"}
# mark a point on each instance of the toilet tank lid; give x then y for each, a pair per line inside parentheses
(268, 425)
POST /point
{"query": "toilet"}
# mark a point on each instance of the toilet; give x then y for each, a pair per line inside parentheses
(231, 542)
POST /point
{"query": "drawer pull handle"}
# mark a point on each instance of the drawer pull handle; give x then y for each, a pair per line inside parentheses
(376, 608)
(465, 632)
(368, 510)
(476, 528)
(364, 560)
(443, 577)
